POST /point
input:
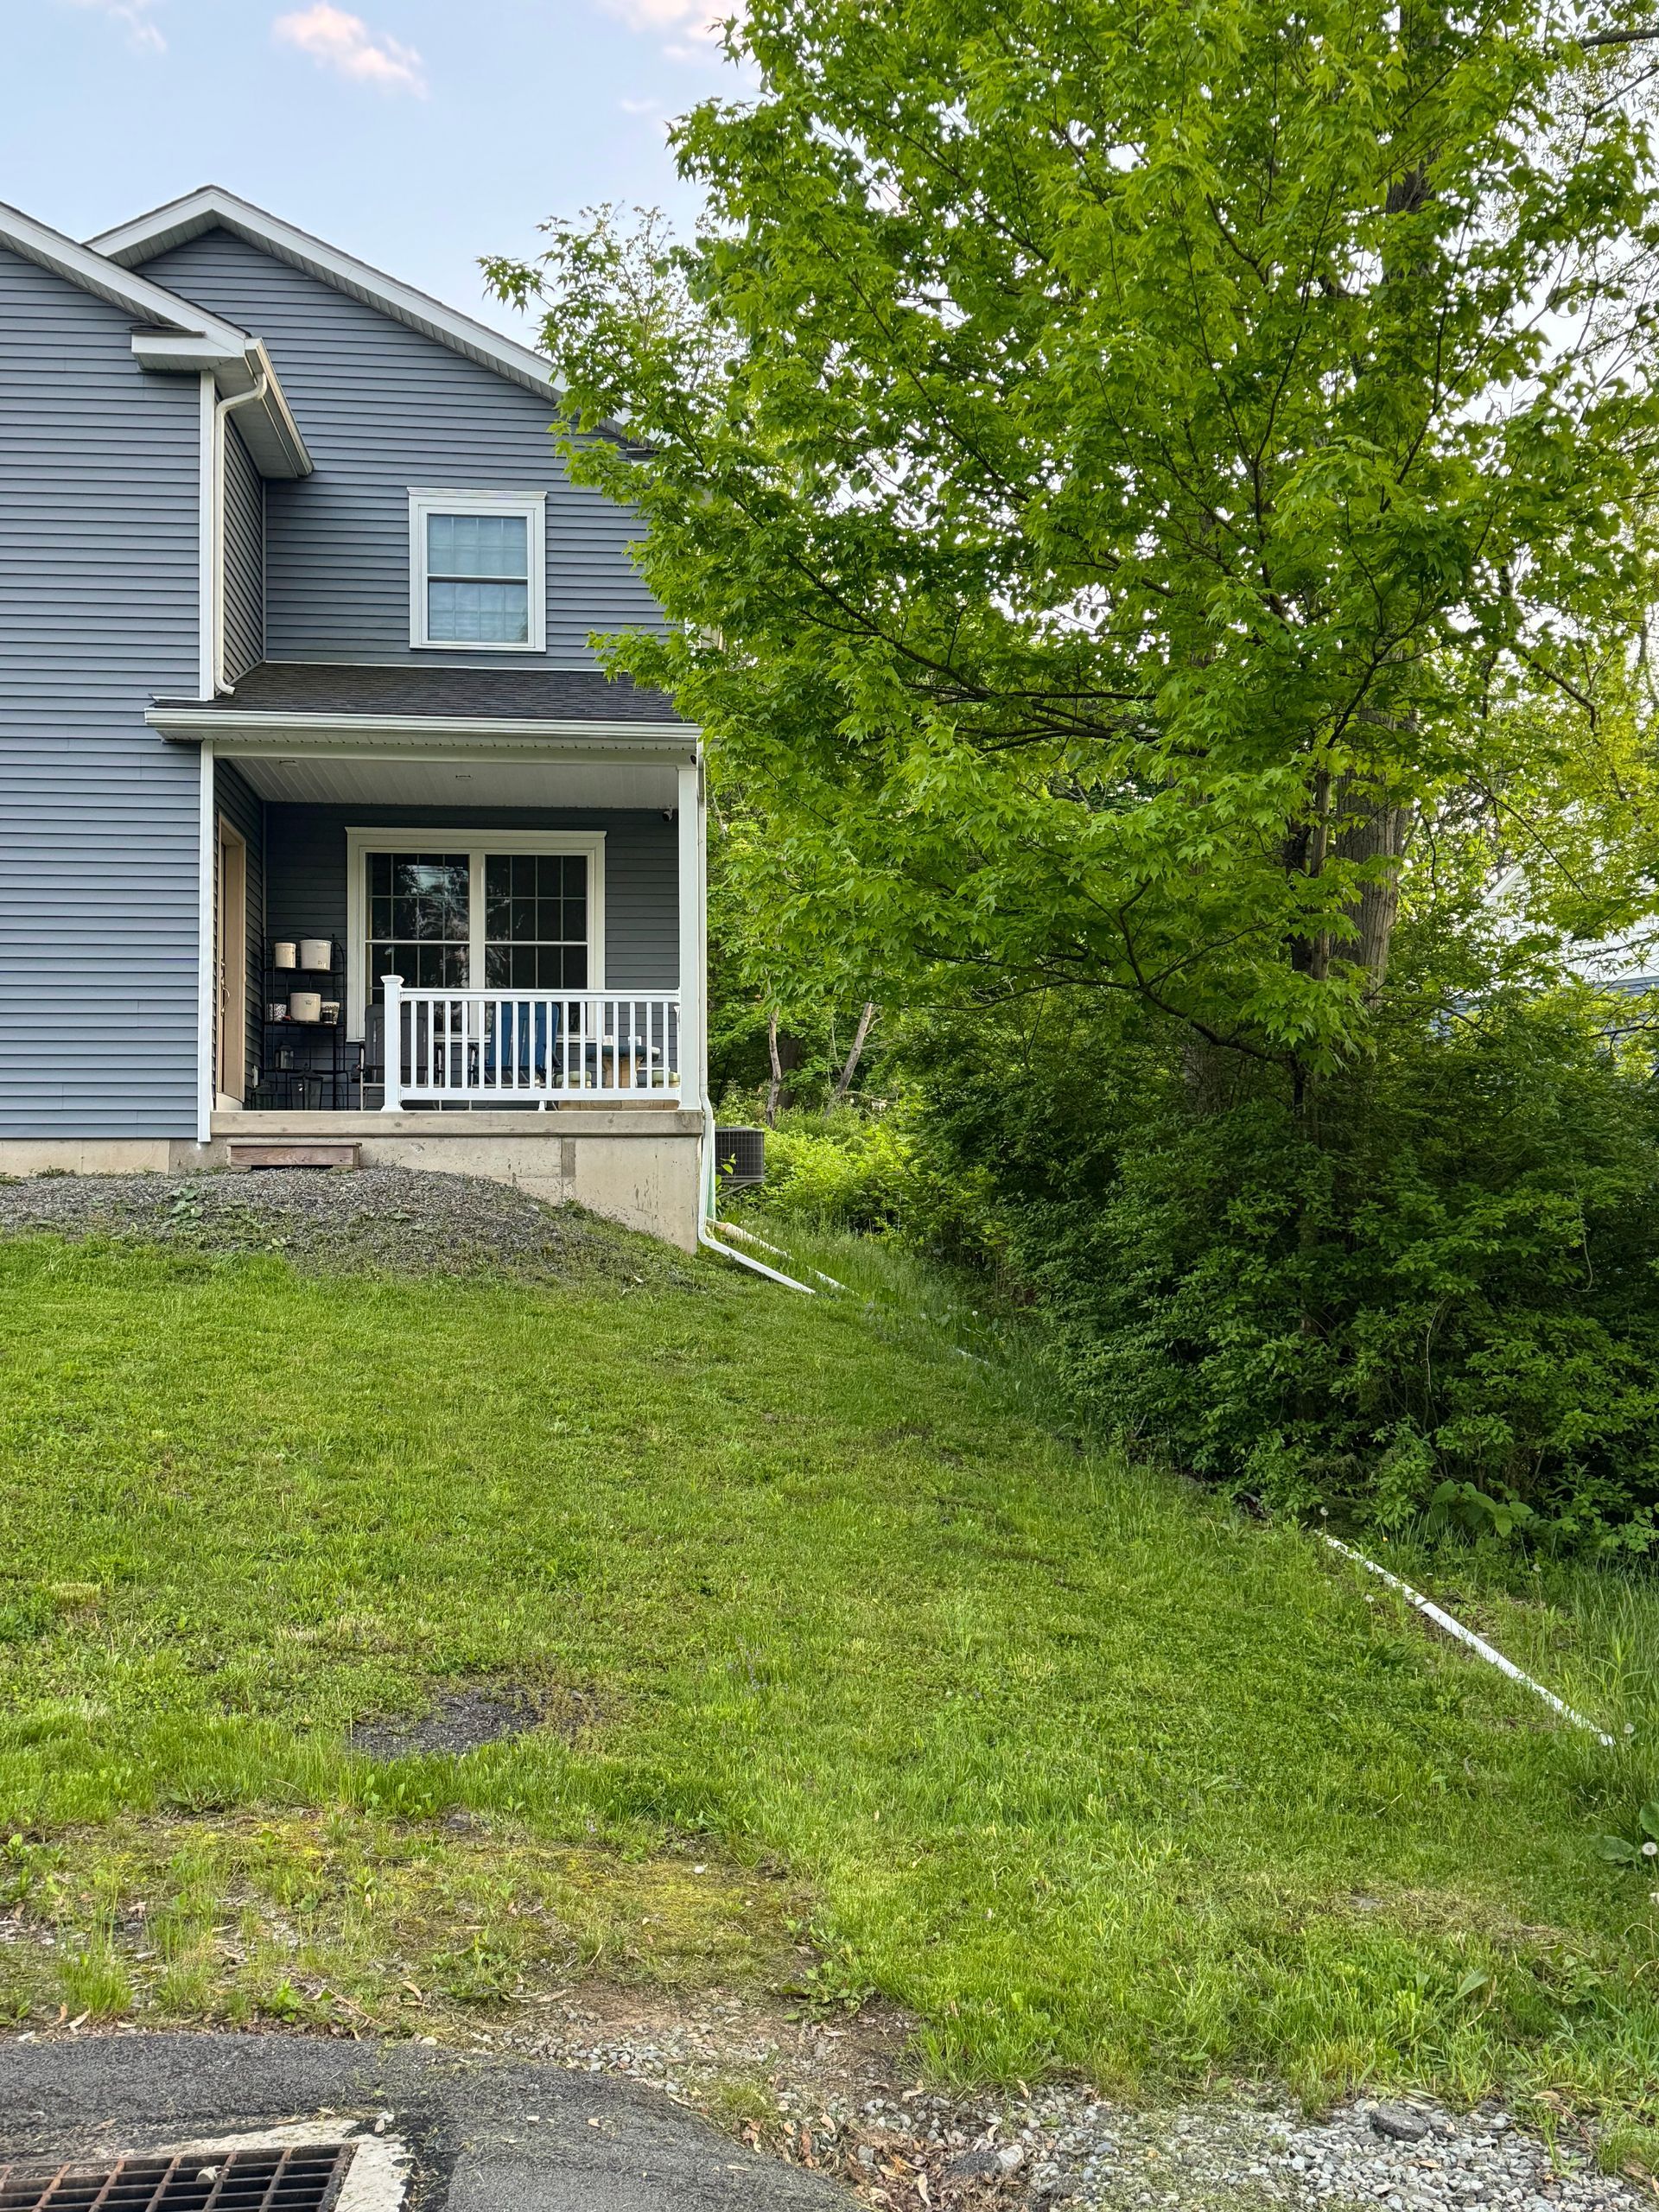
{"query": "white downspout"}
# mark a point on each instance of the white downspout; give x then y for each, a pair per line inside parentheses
(223, 687)
(706, 1217)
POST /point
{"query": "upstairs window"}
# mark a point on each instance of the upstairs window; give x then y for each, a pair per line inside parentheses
(476, 570)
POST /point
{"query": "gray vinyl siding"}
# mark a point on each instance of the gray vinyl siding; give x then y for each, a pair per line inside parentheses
(383, 408)
(244, 809)
(244, 557)
(98, 851)
(305, 877)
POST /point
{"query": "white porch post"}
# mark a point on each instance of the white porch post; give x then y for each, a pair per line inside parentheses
(206, 931)
(392, 1049)
(693, 858)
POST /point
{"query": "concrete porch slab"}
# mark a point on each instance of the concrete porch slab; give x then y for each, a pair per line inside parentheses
(640, 1166)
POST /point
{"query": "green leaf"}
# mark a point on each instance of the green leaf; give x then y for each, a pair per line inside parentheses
(1476, 1980)
(1619, 1849)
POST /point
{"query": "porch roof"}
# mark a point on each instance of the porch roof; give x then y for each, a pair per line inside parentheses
(334, 691)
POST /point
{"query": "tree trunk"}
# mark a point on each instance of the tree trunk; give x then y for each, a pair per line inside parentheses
(844, 1080)
(785, 1053)
(1379, 835)
(775, 1088)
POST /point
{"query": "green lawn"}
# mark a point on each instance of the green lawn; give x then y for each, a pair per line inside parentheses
(1088, 1771)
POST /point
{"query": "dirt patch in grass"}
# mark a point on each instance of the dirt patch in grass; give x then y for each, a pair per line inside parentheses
(388, 1220)
(462, 1721)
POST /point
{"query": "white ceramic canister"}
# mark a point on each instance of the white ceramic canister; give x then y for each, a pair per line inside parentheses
(305, 1006)
(316, 953)
(283, 954)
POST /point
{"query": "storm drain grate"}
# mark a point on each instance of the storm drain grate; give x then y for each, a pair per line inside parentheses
(302, 2179)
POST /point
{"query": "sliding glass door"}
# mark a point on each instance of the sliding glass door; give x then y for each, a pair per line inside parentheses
(512, 911)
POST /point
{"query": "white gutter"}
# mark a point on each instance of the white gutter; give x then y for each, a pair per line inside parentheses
(1478, 1644)
(285, 730)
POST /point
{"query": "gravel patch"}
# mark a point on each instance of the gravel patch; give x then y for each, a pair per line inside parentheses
(390, 1220)
(839, 2103)
(1361, 2154)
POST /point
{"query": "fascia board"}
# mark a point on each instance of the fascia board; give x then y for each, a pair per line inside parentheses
(211, 206)
(422, 736)
(268, 429)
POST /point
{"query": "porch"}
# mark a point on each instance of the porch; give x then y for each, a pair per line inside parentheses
(457, 948)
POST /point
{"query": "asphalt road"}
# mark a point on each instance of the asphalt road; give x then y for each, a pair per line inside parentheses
(597, 2145)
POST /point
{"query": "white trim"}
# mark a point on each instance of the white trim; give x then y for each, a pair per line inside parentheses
(691, 848)
(212, 207)
(229, 975)
(424, 504)
(273, 438)
(94, 272)
(207, 537)
(360, 842)
(284, 733)
(207, 920)
(173, 335)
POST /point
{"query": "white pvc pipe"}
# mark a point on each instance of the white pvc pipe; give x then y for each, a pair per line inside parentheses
(1442, 1619)
(749, 1237)
(706, 1188)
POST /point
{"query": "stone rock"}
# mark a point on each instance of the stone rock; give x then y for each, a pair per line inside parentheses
(974, 2165)
(1397, 2123)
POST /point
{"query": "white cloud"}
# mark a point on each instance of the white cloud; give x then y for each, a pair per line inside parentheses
(337, 41)
(690, 28)
(133, 15)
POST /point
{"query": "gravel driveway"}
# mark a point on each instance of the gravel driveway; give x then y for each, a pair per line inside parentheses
(393, 1220)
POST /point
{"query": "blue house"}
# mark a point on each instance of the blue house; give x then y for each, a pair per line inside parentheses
(324, 834)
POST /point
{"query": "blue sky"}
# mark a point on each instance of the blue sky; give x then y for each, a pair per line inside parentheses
(418, 134)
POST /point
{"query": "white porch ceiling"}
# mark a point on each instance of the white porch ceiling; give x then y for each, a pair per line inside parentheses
(316, 779)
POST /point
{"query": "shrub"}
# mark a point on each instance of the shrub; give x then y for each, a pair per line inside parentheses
(1434, 1291)
(843, 1170)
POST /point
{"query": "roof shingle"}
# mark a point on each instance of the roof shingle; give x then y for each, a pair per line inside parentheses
(444, 694)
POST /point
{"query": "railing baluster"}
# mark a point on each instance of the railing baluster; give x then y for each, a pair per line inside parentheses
(455, 1045)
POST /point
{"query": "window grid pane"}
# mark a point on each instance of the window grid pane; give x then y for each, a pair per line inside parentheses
(419, 905)
(478, 613)
(534, 921)
(478, 545)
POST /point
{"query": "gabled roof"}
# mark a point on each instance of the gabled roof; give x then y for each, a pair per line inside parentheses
(212, 207)
(135, 295)
(171, 334)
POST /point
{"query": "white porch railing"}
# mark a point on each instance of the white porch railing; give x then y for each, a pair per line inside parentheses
(528, 1047)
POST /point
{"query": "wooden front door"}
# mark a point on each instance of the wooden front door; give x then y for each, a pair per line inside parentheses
(231, 965)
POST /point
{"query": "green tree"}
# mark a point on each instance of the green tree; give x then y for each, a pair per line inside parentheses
(1122, 470)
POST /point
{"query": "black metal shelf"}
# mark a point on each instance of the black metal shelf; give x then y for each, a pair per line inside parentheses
(295, 1074)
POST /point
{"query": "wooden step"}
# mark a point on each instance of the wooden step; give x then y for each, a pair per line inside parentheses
(296, 1155)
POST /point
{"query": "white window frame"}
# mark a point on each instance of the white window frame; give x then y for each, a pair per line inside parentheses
(424, 502)
(475, 843)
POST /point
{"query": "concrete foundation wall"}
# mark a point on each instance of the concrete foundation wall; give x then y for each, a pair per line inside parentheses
(638, 1167)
